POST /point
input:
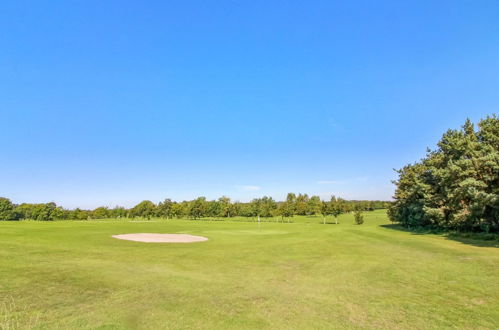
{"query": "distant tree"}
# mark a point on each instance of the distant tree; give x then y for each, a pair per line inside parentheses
(145, 209)
(6, 209)
(314, 205)
(43, 212)
(255, 207)
(58, 214)
(100, 213)
(213, 209)
(24, 210)
(224, 207)
(235, 209)
(118, 212)
(324, 210)
(286, 209)
(78, 214)
(345, 206)
(267, 206)
(290, 205)
(165, 209)
(246, 209)
(301, 204)
(336, 207)
(198, 208)
(358, 217)
(178, 210)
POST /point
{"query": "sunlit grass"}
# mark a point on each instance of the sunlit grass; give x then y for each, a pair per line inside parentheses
(271, 275)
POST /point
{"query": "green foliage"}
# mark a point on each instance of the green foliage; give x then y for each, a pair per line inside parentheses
(337, 206)
(101, 213)
(314, 205)
(78, 214)
(145, 209)
(289, 206)
(264, 207)
(179, 210)
(358, 217)
(198, 208)
(301, 204)
(6, 209)
(223, 207)
(41, 212)
(455, 186)
(165, 209)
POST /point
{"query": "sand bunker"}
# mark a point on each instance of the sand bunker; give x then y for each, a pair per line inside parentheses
(161, 238)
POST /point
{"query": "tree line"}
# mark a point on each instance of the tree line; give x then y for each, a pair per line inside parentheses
(455, 186)
(223, 207)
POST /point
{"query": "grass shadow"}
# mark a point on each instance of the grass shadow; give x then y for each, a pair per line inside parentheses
(475, 239)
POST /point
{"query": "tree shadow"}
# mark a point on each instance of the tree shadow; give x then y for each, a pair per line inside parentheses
(475, 239)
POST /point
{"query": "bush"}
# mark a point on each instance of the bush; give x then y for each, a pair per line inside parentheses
(359, 217)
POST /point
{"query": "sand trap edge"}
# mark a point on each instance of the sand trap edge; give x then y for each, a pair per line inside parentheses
(160, 238)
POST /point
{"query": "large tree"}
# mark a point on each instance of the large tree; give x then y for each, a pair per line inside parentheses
(455, 186)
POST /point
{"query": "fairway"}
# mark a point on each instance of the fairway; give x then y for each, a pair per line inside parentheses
(69, 274)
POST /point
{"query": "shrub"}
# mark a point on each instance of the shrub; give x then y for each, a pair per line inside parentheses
(359, 217)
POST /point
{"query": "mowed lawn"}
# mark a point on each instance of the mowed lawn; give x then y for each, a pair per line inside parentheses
(277, 276)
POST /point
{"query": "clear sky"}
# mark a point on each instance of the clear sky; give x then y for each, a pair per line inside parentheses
(113, 102)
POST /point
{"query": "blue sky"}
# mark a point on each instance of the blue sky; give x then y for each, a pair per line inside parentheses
(112, 102)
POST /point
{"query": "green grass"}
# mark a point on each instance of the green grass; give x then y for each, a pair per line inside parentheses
(273, 275)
